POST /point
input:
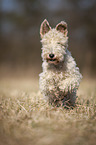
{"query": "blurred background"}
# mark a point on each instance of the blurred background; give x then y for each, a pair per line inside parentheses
(20, 48)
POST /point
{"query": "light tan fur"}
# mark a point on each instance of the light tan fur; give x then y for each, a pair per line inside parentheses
(60, 78)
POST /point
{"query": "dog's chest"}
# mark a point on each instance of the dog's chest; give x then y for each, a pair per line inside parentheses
(54, 78)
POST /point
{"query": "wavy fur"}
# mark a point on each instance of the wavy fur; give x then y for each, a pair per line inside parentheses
(60, 78)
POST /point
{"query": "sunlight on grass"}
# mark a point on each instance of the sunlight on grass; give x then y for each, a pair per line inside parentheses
(26, 118)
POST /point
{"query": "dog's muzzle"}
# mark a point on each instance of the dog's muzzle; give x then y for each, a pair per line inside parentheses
(52, 59)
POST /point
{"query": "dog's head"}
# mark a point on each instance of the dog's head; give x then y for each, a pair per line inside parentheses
(54, 42)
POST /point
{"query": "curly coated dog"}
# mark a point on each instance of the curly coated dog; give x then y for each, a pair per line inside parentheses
(60, 78)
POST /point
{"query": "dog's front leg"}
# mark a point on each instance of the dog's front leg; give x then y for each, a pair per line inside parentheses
(69, 84)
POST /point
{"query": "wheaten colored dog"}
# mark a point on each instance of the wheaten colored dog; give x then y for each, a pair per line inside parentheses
(60, 78)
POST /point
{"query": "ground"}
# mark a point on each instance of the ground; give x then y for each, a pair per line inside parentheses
(26, 119)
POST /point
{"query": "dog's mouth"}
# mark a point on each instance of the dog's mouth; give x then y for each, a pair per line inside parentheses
(52, 61)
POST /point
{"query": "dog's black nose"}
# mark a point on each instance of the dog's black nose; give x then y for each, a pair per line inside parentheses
(51, 55)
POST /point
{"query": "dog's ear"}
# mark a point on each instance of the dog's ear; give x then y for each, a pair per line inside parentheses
(62, 27)
(45, 27)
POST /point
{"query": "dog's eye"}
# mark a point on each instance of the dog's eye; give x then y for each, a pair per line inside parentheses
(60, 44)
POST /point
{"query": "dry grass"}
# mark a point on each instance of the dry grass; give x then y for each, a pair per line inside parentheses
(26, 119)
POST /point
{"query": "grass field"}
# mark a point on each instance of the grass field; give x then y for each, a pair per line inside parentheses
(26, 119)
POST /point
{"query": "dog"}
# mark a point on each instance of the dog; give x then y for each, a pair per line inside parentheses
(60, 78)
